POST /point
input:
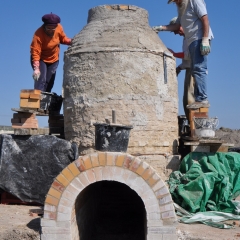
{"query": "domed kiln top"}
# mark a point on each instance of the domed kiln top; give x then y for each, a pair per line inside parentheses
(117, 28)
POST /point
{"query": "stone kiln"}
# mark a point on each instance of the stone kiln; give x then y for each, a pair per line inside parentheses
(116, 62)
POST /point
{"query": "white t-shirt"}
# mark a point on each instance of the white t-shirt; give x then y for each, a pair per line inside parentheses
(191, 21)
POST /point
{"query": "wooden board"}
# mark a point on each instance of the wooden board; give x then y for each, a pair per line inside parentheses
(34, 111)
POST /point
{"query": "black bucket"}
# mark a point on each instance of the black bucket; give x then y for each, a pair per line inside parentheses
(111, 138)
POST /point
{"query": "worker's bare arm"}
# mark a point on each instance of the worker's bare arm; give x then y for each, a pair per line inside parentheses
(205, 24)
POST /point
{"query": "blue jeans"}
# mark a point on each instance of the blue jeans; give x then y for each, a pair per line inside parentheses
(48, 73)
(199, 71)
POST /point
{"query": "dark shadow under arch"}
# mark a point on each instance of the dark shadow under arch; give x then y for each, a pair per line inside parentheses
(109, 210)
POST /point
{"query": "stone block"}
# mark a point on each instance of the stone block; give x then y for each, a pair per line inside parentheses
(120, 159)
(87, 162)
(54, 193)
(48, 223)
(61, 179)
(98, 173)
(94, 159)
(83, 179)
(50, 208)
(51, 200)
(74, 169)
(67, 174)
(170, 237)
(58, 186)
(102, 158)
(91, 175)
(80, 165)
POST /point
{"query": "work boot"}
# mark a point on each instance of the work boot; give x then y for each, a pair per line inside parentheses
(195, 105)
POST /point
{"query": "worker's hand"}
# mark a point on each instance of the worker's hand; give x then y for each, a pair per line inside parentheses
(36, 72)
(205, 46)
(157, 29)
(68, 41)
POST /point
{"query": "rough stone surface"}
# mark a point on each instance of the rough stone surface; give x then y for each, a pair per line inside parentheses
(29, 164)
(116, 62)
(164, 165)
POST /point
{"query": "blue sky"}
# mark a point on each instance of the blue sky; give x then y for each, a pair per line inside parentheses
(19, 20)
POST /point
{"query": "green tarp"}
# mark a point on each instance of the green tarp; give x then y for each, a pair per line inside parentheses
(207, 182)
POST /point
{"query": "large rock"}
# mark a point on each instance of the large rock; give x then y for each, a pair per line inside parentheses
(29, 164)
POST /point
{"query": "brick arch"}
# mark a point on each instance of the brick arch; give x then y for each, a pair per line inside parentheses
(59, 221)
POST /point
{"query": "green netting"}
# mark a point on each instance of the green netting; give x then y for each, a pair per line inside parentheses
(207, 182)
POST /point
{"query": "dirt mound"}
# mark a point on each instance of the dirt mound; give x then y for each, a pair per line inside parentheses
(229, 136)
(21, 232)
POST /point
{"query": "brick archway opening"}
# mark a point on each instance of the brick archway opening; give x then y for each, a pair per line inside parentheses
(110, 210)
(69, 192)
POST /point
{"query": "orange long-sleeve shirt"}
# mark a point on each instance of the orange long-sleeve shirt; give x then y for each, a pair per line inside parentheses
(47, 48)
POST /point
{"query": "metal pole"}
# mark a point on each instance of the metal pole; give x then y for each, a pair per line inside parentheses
(113, 116)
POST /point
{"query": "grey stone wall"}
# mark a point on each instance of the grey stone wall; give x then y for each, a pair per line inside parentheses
(116, 62)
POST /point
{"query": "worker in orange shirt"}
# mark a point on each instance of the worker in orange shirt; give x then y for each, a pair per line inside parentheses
(45, 49)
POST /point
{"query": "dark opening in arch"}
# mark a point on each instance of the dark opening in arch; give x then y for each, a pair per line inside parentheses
(109, 210)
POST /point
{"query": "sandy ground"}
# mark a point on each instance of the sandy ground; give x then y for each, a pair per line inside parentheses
(17, 224)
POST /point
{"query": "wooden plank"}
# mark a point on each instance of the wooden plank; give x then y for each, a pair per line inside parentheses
(198, 115)
(35, 96)
(220, 142)
(24, 125)
(30, 131)
(29, 103)
(200, 148)
(217, 148)
(36, 211)
(34, 111)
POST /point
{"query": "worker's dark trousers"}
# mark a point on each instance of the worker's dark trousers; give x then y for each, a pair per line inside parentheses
(48, 73)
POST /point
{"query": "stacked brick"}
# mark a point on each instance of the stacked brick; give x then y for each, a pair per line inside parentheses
(59, 209)
(30, 98)
(24, 120)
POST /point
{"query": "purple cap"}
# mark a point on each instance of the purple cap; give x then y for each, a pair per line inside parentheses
(51, 19)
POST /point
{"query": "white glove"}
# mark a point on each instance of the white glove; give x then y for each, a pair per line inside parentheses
(157, 28)
(205, 46)
(36, 72)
